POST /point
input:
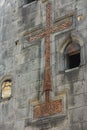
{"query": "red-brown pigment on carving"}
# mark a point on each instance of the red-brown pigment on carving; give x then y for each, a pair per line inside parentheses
(49, 107)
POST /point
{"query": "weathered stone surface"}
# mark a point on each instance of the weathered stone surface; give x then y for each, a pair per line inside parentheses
(24, 61)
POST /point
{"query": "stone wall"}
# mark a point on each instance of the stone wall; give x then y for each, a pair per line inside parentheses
(24, 62)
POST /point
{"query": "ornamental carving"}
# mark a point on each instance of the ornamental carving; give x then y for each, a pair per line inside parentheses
(47, 109)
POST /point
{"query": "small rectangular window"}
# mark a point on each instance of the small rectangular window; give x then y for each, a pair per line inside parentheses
(29, 1)
(74, 60)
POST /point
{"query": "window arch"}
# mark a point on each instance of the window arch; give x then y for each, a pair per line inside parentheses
(72, 55)
(6, 89)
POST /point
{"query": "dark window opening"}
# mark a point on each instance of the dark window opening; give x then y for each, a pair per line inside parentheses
(29, 1)
(72, 55)
(73, 60)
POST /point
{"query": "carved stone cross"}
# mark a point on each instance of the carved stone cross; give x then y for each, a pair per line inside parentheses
(49, 107)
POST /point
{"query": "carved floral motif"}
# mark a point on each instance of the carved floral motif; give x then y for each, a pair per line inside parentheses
(47, 109)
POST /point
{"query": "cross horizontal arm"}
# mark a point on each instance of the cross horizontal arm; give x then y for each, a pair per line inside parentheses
(36, 37)
(61, 26)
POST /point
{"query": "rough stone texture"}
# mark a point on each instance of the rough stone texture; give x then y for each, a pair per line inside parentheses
(25, 63)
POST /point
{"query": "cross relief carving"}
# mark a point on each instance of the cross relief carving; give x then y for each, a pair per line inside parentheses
(49, 107)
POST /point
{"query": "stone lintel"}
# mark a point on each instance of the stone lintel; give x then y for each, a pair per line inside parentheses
(44, 1)
(34, 30)
(69, 15)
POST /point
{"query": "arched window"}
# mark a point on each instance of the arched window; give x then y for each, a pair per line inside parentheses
(6, 89)
(72, 55)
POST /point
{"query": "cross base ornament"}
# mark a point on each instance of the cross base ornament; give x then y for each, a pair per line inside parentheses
(47, 109)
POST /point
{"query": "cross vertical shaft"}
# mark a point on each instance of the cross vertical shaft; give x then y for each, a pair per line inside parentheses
(47, 79)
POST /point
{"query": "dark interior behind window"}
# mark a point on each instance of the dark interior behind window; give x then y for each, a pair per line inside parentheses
(29, 1)
(72, 55)
(74, 60)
